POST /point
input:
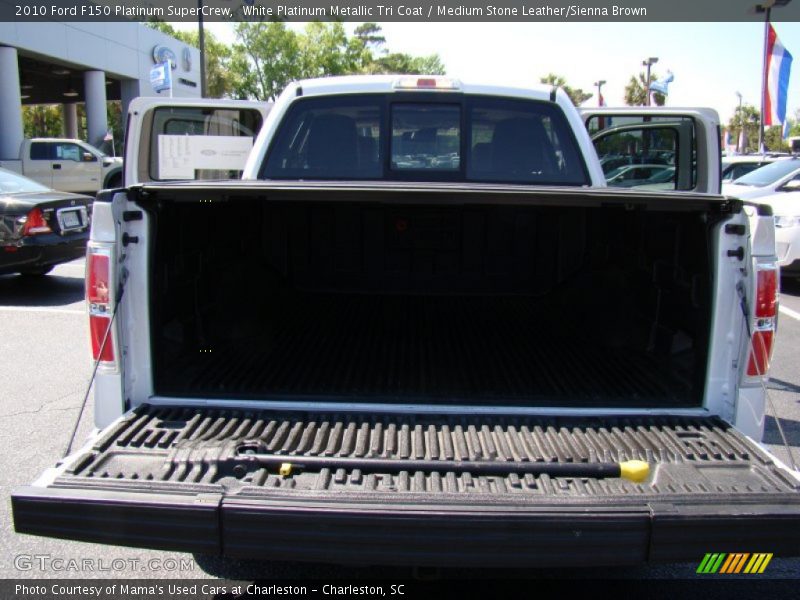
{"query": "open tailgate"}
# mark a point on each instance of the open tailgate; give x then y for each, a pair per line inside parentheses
(180, 479)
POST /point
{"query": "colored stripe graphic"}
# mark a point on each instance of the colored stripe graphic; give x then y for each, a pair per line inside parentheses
(734, 563)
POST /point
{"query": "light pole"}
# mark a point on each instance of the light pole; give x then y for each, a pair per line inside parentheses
(648, 63)
(201, 41)
(599, 85)
(739, 148)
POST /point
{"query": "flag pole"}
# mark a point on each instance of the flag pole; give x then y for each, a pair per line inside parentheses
(761, 148)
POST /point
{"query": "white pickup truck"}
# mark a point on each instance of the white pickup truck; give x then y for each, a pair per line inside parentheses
(421, 330)
(66, 165)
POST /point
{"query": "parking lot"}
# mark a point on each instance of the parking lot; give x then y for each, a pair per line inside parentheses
(43, 350)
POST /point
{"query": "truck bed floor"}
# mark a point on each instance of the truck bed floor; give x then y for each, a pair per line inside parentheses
(434, 349)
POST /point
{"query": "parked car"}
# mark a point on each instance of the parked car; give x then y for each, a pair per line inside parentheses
(786, 209)
(737, 166)
(634, 175)
(610, 162)
(40, 227)
(782, 175)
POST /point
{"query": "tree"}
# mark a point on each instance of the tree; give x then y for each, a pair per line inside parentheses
(268, 56)
(400, 63)
(326, 50)
(636, 91)
(577, 95)
(266, 59)
(794, 128)
(369, 34)
(115, 124)
(42, 120)
(773, 139)
(745, 117)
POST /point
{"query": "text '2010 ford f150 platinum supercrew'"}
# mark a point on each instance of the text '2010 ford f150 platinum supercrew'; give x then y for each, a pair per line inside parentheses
(422, 330)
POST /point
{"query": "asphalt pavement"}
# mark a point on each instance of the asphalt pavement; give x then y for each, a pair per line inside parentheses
(45, 370)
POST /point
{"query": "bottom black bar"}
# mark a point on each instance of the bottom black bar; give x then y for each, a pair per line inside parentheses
(400, 588)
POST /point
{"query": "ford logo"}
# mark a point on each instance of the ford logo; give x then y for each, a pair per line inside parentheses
(162, 54)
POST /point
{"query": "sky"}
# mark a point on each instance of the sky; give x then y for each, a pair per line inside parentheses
(710, 61)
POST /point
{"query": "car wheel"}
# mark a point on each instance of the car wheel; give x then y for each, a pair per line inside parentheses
(37, 272)
(114, 182)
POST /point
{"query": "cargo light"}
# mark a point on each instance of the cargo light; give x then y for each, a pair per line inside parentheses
(427, 83)
(100, 299)
(765, 312)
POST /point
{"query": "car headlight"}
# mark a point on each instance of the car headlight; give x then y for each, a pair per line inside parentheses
(783, 221)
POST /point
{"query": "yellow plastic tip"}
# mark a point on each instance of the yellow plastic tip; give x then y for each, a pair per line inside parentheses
(634, 470)
(285, 470)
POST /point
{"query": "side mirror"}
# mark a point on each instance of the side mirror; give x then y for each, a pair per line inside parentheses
(89, 157)
(792, 185)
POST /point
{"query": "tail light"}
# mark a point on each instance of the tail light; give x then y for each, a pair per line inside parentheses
(100, 298)
(765, 314)
(35, 223)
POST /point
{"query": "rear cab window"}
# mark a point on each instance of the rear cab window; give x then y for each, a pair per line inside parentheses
(41, 151)
(449, 137)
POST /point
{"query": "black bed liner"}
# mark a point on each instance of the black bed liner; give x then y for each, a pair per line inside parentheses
(428, 349)
(173, 478)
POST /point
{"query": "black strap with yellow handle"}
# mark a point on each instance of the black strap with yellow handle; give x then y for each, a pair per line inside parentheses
(632, 470)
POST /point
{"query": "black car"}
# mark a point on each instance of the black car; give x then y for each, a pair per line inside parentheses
(40, 227)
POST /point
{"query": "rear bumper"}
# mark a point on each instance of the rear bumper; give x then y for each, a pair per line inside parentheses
(42, 251)
(407, 533)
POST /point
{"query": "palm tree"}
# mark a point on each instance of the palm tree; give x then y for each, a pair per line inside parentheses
(636, 91)
(577, 95)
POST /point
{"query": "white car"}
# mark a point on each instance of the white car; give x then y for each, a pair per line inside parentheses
(737, 166)
(782, 175)
(786, 208)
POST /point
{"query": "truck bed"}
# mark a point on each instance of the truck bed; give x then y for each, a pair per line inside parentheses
(409, 299)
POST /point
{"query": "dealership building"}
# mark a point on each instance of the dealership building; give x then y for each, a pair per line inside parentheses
(90, 63)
